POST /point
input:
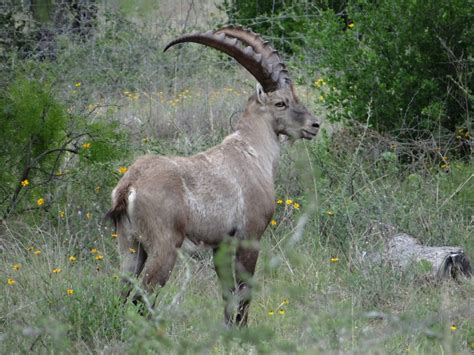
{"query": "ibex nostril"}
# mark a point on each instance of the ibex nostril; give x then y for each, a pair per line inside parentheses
(315, 124)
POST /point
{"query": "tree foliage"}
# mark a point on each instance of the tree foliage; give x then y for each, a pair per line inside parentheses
(407, 62)
(41, 139)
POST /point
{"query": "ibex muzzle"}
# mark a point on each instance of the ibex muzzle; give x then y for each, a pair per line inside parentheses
(218, 196)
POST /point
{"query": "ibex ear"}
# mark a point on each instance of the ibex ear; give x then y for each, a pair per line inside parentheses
(261, 95)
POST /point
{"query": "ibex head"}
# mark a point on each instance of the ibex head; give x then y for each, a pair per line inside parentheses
(275, 95)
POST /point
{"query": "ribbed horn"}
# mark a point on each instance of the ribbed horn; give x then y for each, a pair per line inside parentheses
(259, 58)
(271, 56)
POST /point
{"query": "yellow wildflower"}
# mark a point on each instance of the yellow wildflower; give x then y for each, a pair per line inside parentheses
(114, 235)
(97, 189)
(72, 258)
(285, 301)
(281, 311)
(273, 222)
(296, 206)
(351, 25)
(88, 215)
(122, 169)
(78, 84)
(37, 252)
(320, 82)
(40, 201)
(56, 270)
(279, 201)
(69, 291)
(321, 98)
(11, 282)
(99, 257)
(330, 213)
(271, 312)
(25, 183)
(132, 250)
(453, 327)
(289, 202)
(93, 250)
(86, 145)
(61, 214)
(334, 259)
(16, 266)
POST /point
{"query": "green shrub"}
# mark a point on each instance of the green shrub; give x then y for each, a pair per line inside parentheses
(41, 144)
(407, 62)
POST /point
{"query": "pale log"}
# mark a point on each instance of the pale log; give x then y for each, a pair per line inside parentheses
(403, 251)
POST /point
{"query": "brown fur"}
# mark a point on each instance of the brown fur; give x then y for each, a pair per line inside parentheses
(213, 198)
(119, 207)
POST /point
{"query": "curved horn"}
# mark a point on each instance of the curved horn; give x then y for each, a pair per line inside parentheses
(261, 46)
(255, 58)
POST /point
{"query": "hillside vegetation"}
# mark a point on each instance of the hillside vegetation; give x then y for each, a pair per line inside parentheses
(79, 101)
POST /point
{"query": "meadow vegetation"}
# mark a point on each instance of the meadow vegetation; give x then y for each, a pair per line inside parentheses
(73, 122)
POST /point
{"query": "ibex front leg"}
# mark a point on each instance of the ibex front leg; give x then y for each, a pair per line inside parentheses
(245, 262)
(131, 263)
(223, 262)
(236, 292)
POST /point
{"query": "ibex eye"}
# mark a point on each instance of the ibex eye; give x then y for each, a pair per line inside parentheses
(280, 104)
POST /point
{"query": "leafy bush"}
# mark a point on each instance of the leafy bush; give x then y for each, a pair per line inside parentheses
(44, 142)
(408, 62)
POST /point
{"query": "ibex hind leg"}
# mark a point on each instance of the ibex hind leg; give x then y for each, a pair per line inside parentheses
(133, 258)
(245, 262)
(161, 258)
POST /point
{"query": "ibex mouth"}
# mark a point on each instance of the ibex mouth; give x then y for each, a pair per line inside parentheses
(308, 134)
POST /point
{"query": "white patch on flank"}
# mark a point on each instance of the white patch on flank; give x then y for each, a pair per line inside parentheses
(128, 225)
(114, 194)
(132, 195)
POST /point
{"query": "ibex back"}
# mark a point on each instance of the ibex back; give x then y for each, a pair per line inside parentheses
(223, 194)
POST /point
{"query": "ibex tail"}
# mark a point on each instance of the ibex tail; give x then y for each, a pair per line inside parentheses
(119, 205)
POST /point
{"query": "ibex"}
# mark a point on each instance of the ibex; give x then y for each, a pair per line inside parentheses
(223, 194)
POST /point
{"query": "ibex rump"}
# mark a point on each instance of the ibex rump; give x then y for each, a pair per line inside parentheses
(224, 193)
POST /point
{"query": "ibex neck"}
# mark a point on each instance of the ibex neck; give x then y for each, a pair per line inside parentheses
(258, 132)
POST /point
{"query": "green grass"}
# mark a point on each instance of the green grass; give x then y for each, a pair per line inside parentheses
(332, 306)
